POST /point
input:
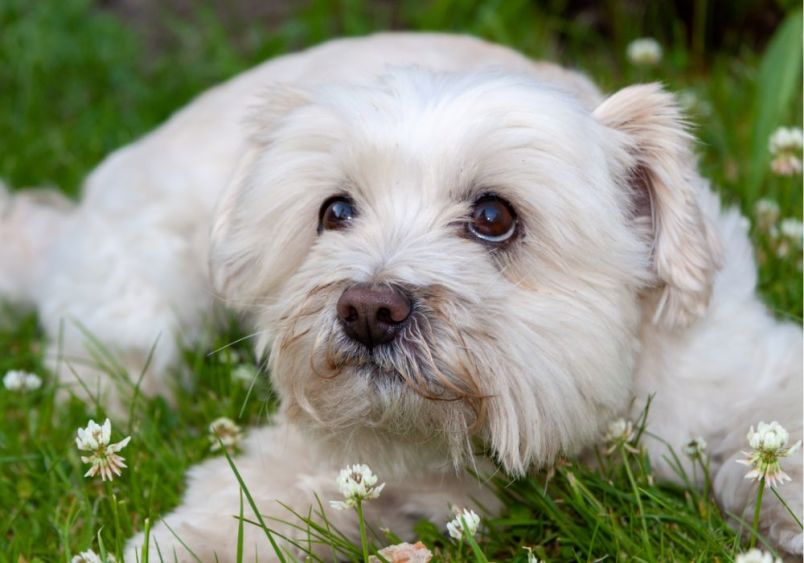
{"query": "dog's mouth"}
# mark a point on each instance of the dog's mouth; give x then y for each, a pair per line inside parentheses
(407, 363)
(380, 364)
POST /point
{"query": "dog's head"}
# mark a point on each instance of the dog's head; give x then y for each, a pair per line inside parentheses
(433, 259)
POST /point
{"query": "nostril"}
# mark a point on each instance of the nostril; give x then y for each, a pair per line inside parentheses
(384, 315)
(351, 315)
(397, 308)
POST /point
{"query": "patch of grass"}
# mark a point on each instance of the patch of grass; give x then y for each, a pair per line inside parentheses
(77, 82)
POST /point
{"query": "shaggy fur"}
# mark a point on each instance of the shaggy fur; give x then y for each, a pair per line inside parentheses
(625, 279)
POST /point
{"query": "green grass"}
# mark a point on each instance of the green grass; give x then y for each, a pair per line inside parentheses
(76, 82)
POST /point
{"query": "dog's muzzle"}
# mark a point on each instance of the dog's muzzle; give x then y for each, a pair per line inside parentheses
(373, 315)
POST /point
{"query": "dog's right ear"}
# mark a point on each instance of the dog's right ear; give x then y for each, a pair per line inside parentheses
(231, 255)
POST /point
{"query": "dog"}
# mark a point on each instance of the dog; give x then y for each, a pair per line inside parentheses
(438, 242)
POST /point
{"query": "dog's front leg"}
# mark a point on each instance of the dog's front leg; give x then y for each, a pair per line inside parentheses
(286, 474)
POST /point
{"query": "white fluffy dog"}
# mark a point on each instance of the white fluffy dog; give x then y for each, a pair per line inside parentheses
(440, 242)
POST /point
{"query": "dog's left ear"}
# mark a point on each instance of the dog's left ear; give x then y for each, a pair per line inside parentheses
(660, 170)
(276, 102)
(237, 271)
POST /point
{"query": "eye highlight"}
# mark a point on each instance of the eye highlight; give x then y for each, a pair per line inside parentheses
(336, 213)
(492, 220)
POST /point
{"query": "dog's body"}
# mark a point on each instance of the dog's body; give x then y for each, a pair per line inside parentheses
(621, 276)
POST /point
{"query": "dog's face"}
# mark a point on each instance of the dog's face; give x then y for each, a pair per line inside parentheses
(433, 259)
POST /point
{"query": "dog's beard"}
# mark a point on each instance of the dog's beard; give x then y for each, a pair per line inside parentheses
(408, 402)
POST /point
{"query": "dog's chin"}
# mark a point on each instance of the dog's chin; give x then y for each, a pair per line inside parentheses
(386, 385)
(381, 380)
(401, 449)
(364, 408)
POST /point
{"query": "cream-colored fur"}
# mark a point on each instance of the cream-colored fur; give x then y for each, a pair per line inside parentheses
(626, 278)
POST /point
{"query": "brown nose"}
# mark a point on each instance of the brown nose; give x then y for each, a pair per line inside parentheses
(373, 314)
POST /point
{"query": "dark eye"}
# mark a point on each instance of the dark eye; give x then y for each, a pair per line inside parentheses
(336, 213)
(492, 219)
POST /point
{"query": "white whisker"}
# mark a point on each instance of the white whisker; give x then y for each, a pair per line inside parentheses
(230, 344)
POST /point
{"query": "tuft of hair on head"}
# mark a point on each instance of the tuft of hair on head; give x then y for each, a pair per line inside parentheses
(661, 171)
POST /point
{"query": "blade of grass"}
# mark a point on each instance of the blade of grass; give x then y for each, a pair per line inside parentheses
(251, 503)
(638, 499)
(787, 507)
(239, 554)
(181, 541)
(146, 541)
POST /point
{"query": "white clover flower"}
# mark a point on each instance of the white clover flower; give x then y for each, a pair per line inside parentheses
(14, 380)
(695, 448)
(356, 483)
(32, 382)
(768, 445)
(768, 436)
(90, 556)
(404, 553)
(785, 145)
(18, 380)
(104, 458)
(767, 213)
(87, 556)
(793, 230)
(786, 139)
(756, 556)
(620, 429)
(465, 521)
(224, 431)
(619, 433)
(645, 51)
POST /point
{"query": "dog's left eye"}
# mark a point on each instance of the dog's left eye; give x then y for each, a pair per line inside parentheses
(492, 220)
(336, 213)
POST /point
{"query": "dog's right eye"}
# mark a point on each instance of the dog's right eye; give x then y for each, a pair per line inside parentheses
(336, 213)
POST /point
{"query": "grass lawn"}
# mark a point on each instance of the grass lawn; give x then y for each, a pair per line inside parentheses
(76, 82)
